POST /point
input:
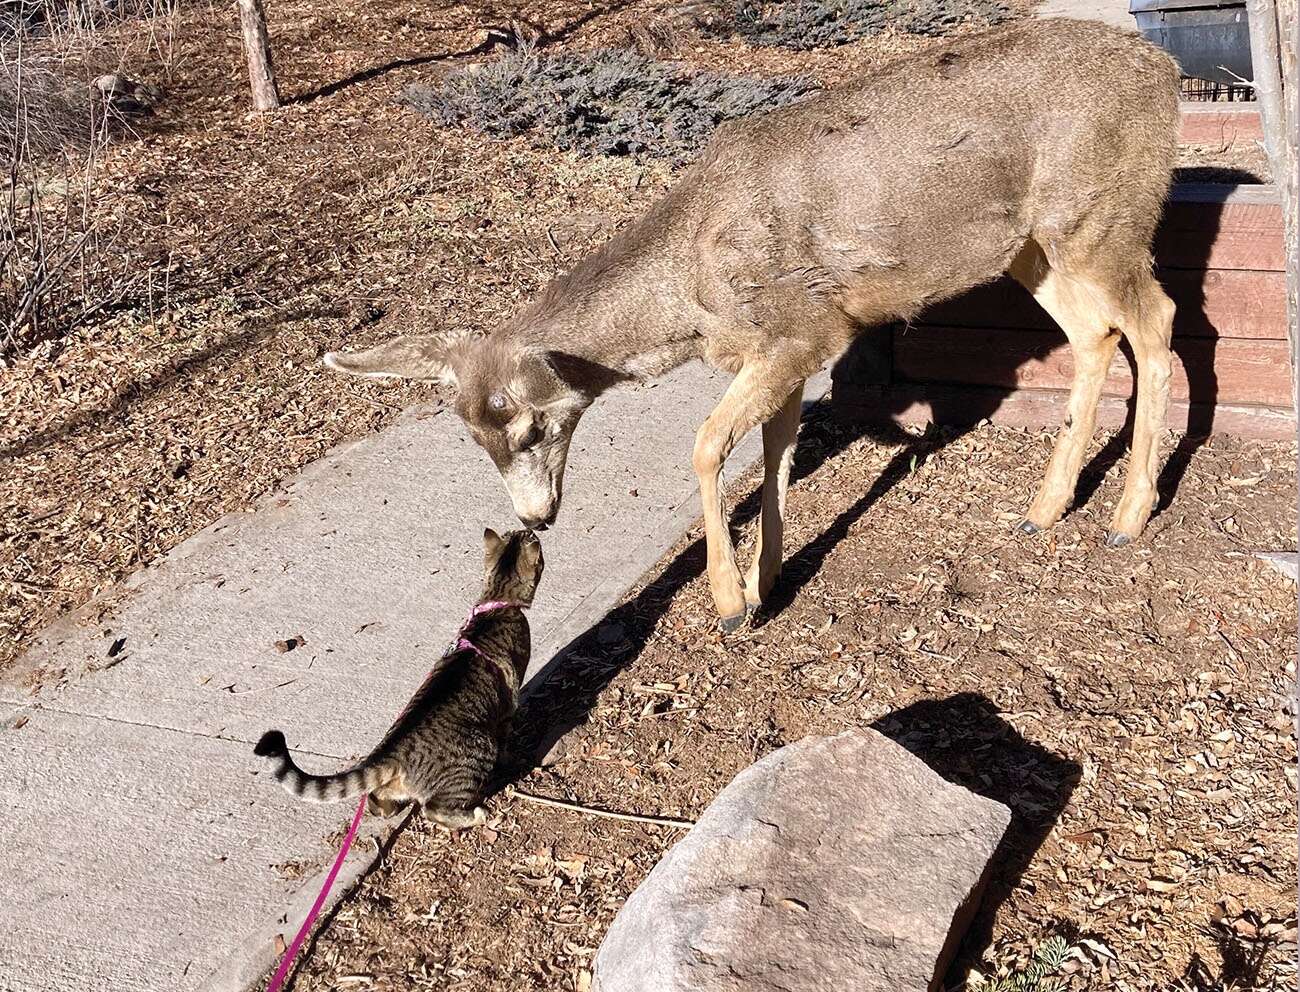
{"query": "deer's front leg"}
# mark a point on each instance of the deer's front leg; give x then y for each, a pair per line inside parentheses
(712, 445)
(779, 435)
(750, 399)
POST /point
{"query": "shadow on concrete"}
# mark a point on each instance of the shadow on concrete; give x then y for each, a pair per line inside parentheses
(966, 741)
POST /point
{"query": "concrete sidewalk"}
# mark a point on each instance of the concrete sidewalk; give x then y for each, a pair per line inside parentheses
(139, 850)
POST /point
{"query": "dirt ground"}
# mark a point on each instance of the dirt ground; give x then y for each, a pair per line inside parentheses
(1130, 708)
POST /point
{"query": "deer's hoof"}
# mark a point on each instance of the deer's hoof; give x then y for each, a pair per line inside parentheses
(1028, 527)
(729, 625)
(1115, 539)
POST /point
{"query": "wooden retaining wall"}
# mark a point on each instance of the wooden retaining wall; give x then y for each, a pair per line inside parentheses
(995, 354)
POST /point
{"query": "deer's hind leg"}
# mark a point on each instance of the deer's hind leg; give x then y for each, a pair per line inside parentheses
(1083, 313)
(1147, 319)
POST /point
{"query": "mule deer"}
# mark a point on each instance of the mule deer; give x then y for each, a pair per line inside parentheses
(1043, 149)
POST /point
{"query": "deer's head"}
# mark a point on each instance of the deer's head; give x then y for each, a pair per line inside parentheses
(512, 399)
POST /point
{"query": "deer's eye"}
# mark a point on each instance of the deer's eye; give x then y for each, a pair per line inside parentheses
(497, 401)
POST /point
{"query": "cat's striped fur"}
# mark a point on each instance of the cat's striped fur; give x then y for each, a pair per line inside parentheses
(442, 749)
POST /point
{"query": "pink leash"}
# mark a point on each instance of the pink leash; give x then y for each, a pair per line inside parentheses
(305, 929)
(462, 643)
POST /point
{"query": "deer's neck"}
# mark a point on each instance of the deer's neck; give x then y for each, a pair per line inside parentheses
(629, 309)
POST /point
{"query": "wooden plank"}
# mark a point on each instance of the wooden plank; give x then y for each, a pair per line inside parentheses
(910, 403)
(1222, 303)
(1241, 194)
(1205, 370)
(1206, 122)
(1221, 227)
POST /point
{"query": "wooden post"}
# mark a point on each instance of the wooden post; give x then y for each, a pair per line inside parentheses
(257, 46)
(1288, 39)
(1273, 64)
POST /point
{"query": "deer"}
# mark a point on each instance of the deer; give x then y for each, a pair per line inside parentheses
(1043, 150)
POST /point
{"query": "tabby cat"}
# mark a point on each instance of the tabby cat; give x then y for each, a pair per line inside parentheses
(441, 750)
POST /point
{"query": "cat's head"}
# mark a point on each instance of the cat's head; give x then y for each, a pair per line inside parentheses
(512, 565)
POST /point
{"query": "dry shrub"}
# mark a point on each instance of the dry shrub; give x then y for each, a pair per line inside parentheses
(50, 245)
(41, 110)
(56, 268)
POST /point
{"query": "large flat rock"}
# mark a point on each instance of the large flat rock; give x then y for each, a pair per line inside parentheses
(140, 851)
(834, 864)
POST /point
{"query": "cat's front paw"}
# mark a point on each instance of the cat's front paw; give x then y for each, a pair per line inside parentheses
(456, 819)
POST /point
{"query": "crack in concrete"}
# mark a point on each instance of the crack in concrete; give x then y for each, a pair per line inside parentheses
(155, 726)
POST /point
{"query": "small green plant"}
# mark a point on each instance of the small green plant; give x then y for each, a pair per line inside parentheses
(1041, 974)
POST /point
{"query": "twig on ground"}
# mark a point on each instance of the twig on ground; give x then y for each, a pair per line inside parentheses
(663, 821)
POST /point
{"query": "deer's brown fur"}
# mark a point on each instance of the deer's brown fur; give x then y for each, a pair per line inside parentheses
(1043, 149)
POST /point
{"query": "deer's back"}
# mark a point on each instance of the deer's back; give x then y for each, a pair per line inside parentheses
(927, 177)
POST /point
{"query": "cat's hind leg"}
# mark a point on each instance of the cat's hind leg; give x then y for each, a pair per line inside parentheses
(384, 805)
(456, 819)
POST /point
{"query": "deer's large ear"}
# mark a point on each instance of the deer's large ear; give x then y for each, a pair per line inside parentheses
(402, 358)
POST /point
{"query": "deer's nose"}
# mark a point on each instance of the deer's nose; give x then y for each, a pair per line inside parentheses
(539, 523)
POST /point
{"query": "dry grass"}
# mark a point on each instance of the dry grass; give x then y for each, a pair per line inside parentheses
(51, 135)
(58, 222)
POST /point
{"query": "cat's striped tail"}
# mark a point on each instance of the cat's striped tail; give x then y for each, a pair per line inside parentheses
(365, 777)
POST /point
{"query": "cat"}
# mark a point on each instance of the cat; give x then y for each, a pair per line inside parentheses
(442, 749)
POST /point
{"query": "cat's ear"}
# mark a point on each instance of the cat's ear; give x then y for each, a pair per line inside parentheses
(492, 542)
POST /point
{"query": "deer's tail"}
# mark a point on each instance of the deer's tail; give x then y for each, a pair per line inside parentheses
(364, 777)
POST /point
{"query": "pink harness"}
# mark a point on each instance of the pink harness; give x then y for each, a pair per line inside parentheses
(463, 643)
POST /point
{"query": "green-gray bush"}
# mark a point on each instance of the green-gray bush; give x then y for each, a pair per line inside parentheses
(805, 24)
(607, 102)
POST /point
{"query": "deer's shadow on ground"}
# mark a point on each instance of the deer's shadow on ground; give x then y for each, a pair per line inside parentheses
(569, 685)
(969, 744)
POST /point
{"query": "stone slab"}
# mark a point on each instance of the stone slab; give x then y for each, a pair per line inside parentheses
(834, 863)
